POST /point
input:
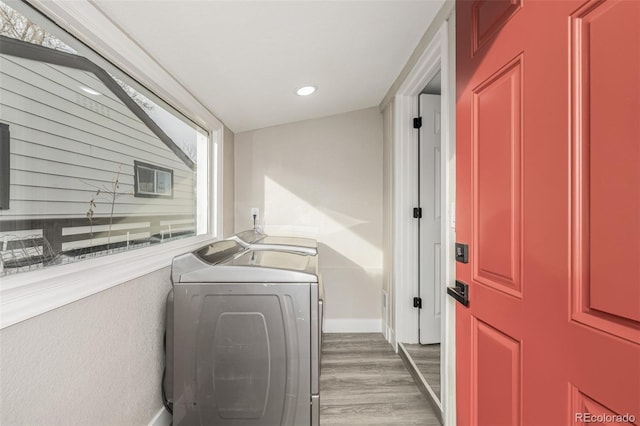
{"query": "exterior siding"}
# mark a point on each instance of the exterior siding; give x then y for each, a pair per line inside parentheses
(65, 144)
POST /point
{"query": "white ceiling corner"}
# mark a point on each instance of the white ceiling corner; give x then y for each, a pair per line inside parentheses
(244, 60)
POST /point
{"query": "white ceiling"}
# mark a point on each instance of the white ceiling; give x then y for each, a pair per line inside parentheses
(244, 60)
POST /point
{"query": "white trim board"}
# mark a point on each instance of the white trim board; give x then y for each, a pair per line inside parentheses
(25, 295)
(352, 325)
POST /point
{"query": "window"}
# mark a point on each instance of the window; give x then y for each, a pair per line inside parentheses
(102, 165)
(152, 181)
(4, 166)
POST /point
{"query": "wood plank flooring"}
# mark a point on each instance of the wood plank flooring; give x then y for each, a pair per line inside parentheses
(427, 359)
(364, 382)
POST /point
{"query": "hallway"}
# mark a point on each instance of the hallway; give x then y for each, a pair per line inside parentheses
(364, 382)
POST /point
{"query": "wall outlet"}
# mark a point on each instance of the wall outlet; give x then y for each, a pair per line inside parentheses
(255, 211)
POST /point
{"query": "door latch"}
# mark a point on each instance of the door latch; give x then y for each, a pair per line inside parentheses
(460, 292)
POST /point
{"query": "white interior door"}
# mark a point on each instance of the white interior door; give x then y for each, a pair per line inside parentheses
(430, 198)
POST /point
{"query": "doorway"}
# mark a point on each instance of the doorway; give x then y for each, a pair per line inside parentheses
(436, 59)
(424, 357)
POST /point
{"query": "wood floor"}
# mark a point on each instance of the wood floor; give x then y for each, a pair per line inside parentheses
(364, 382)
(427, 359)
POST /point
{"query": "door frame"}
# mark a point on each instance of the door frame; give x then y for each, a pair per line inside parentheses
(436, 57)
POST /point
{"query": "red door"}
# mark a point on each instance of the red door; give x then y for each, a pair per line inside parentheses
(548, 200)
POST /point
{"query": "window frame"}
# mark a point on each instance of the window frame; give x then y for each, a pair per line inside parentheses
(136, 184)
(5, 166)
(25, 295)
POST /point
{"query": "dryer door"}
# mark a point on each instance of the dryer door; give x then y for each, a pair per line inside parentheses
(244, 354)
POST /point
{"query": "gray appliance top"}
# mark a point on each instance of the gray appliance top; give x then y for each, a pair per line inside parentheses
(250, 236)
(257, 240)
(228, 262)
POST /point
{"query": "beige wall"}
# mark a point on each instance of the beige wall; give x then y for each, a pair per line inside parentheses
(322, 178)
(97, 361)
(228, 182)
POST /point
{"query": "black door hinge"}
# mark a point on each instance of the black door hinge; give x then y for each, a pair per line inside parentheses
(417, 212)
(417, 302)
(417, 122)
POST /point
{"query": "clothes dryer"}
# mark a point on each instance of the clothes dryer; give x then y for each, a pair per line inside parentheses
(245, 337)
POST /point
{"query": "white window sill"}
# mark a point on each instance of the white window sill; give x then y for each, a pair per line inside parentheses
(26, 295)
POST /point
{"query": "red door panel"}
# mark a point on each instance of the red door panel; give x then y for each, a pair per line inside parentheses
(500, 378)
(489, 17)
(610, 128)
(496, 141)
(548, 199)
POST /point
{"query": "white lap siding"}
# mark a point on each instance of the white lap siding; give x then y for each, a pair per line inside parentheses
(65, 143)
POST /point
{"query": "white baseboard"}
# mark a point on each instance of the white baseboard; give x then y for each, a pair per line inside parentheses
(352, 325)
(162, 418)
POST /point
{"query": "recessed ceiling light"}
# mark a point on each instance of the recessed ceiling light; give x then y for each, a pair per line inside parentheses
(306, 91)
(90, 91)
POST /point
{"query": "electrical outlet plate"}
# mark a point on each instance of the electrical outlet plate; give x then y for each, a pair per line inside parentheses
(255, 211)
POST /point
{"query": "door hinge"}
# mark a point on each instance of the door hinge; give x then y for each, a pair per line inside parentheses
(417, 212)
(417, 122)
(417, 302)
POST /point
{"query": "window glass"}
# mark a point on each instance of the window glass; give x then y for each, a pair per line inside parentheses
(86, 142)
(163, 181)
(152, 181)
(146, 180)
